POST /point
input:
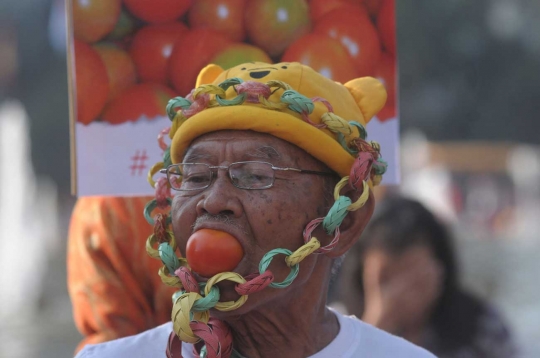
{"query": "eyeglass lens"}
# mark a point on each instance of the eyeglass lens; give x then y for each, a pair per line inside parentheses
(244, 175)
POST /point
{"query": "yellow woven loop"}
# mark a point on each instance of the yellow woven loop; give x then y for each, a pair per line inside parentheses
(303, 252)
(231, 276)
(150, 242)
(210, 89)
(340, 186)
(336, 124)
(361, 200)
(153, 240)
(156, 168)
(172, 281)
(376, 180)
(178, 120)
(278, 106)
(279, 84)
(181, 316)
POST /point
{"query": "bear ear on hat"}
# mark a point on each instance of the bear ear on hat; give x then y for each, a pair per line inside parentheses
(208, 74)
(370, 95)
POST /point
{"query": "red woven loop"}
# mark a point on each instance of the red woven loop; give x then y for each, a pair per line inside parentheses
(325, 102)
(160, 227)
(163, 192)
(360, 170)
(305, 117)
(309, 229)
(198, 105)
(187, 279)
(364, 146)
(216, 335)
(161, 138)
(255, 283)
(174, 347)
(253, 90)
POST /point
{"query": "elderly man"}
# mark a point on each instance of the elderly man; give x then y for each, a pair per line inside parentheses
(272, 188)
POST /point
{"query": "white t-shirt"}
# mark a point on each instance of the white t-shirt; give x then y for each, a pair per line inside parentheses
(355, 339)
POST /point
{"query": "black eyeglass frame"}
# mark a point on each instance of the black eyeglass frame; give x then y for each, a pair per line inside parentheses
(214, 168)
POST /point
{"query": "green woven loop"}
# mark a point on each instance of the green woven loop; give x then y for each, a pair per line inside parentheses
(267, 259)
(232, 102)
(341, 140)
(151, 207)
(230, 82)
(337, 213)
(207, 302)
(175, 103)
(361, 129)
(167, 157)
(236, 100)
(297, 102)
(380, 166)
(168, 257)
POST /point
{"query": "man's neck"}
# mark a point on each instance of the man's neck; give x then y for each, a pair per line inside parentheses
(298, 331)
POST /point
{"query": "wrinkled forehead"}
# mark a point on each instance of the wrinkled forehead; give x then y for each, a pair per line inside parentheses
(245, 145)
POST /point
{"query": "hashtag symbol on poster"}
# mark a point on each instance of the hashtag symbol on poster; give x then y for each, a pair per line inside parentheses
(137, 167)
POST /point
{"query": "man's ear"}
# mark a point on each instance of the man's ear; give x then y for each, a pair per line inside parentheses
(354, 223)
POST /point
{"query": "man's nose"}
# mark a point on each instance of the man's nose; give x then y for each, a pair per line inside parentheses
(221, 197)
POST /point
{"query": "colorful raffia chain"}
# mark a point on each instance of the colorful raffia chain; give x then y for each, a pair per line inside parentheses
(192, 302)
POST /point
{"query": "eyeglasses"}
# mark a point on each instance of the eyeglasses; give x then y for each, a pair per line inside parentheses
(243, 175)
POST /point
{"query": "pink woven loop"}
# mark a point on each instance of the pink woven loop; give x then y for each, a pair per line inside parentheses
(211, 340)
(309, 229)
(224, 334)
(216, 335)
(360, 169)
(187, 279)
(305, 117)
(174, 347)
(161, 138)
(325, 102)
(255, 283)
(253, 90)
(163, 192)
(198, 105)
(364, 146)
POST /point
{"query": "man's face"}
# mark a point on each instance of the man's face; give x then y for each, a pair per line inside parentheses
(261, 220)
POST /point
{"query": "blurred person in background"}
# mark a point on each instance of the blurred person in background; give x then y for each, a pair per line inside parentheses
(402, 277)
(109, 281)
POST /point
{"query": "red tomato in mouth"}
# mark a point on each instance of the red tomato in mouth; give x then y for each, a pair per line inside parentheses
(92, 83)
(152, 47)
(210, 252)
(158, 11)
(94, 19)
(352, 27)
(224, 16)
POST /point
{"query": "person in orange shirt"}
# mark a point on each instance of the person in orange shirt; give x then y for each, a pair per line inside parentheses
(110, 283)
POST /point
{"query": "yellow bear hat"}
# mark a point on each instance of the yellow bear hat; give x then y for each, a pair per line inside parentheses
(287, 100)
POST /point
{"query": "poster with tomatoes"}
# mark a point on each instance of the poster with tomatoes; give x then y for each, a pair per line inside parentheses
(127, 58)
